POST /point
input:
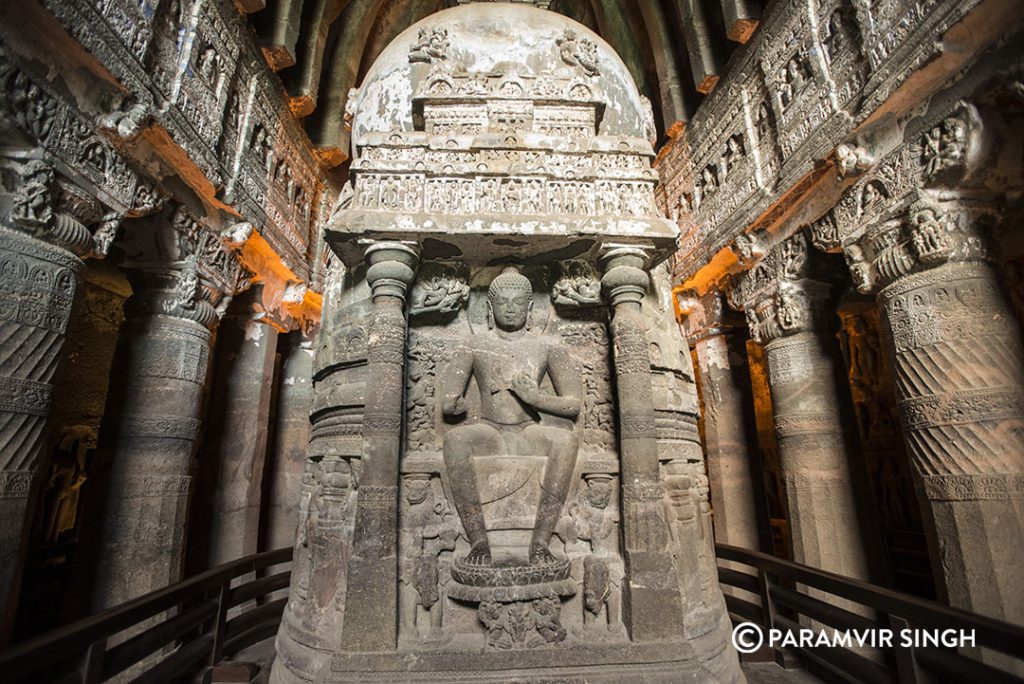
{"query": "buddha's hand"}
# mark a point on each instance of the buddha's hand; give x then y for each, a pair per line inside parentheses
(525, 388)
(454, 406)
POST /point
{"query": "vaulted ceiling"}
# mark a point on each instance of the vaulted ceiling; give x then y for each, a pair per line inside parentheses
(675, 49)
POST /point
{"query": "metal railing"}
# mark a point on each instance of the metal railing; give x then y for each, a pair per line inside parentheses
(787, 596)
(170, 635)
(175, 633)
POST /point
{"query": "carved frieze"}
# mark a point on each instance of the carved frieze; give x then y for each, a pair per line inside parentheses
(57, 127)
(809, 76)
(194, 70)
(214, 261)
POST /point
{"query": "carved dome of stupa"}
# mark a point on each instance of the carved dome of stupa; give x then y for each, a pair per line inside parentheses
(505, 50)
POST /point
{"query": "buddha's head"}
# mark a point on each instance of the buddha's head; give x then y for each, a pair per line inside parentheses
(510, 299)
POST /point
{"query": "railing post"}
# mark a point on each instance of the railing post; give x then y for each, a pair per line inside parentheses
(91, 667)
(220, 624)
(767, 604)
(908, 671)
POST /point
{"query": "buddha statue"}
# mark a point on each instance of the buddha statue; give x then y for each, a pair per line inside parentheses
(509, 364)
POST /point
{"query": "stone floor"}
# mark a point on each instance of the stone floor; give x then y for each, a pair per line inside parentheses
(770, 673)
(262, 654)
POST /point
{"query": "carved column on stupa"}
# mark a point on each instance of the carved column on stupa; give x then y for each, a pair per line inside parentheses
(371, 609)
(654, 608)
(787, 301)
(718, 337)
(917, 230)
(40, 264)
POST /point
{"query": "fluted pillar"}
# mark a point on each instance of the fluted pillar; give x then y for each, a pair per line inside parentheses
(371, 600)
(237, 449)
(790, 314)
(958, 363)
(39, 281)
(149, 434)
(654, 606)
(729, 445)
(288, 491)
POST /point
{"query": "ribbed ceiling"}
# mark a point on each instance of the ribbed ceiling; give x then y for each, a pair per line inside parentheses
(675, 49)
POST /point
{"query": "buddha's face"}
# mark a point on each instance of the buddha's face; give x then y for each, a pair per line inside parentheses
(510, 308)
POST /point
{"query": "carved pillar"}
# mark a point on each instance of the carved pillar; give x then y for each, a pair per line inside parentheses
(371, 601)
(39, 281)
(291, 440)
(815, 457)
(729, 446)
(149, 433)
(654, 608)
(958, 362)
(240, 408)
(791, 315)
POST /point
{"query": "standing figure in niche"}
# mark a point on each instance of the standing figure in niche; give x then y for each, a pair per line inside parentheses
(593, 518)
(509, 365)
(429, 531)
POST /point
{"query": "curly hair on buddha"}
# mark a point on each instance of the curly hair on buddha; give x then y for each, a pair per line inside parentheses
(509, 279)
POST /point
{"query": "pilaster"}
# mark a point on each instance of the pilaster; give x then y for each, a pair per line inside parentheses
(240, 408)
(150, 430)
(654, 608)
(718, 338)
(918, 233)
(371, 608)
(290, 441)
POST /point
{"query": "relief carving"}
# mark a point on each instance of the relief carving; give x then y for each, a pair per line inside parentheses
(430, 528)
(439, 290)
(431, 45)
(508, 368)
(579, 52)
(578, 287)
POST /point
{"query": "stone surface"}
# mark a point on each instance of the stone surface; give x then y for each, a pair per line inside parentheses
(730, 443)
(964, 455)
(287, 454)
(40, 278)
(156, 136)
(234, 463)
(149, 435)
(40, 283)
(787, 302)
(500, 213)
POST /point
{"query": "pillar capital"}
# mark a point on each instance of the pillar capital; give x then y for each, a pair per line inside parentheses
(172, 251)
(173, 289)
(624, 279)
(35, 208)
(785, 292)
(702, 317)
(392, 267)
(932, 230)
